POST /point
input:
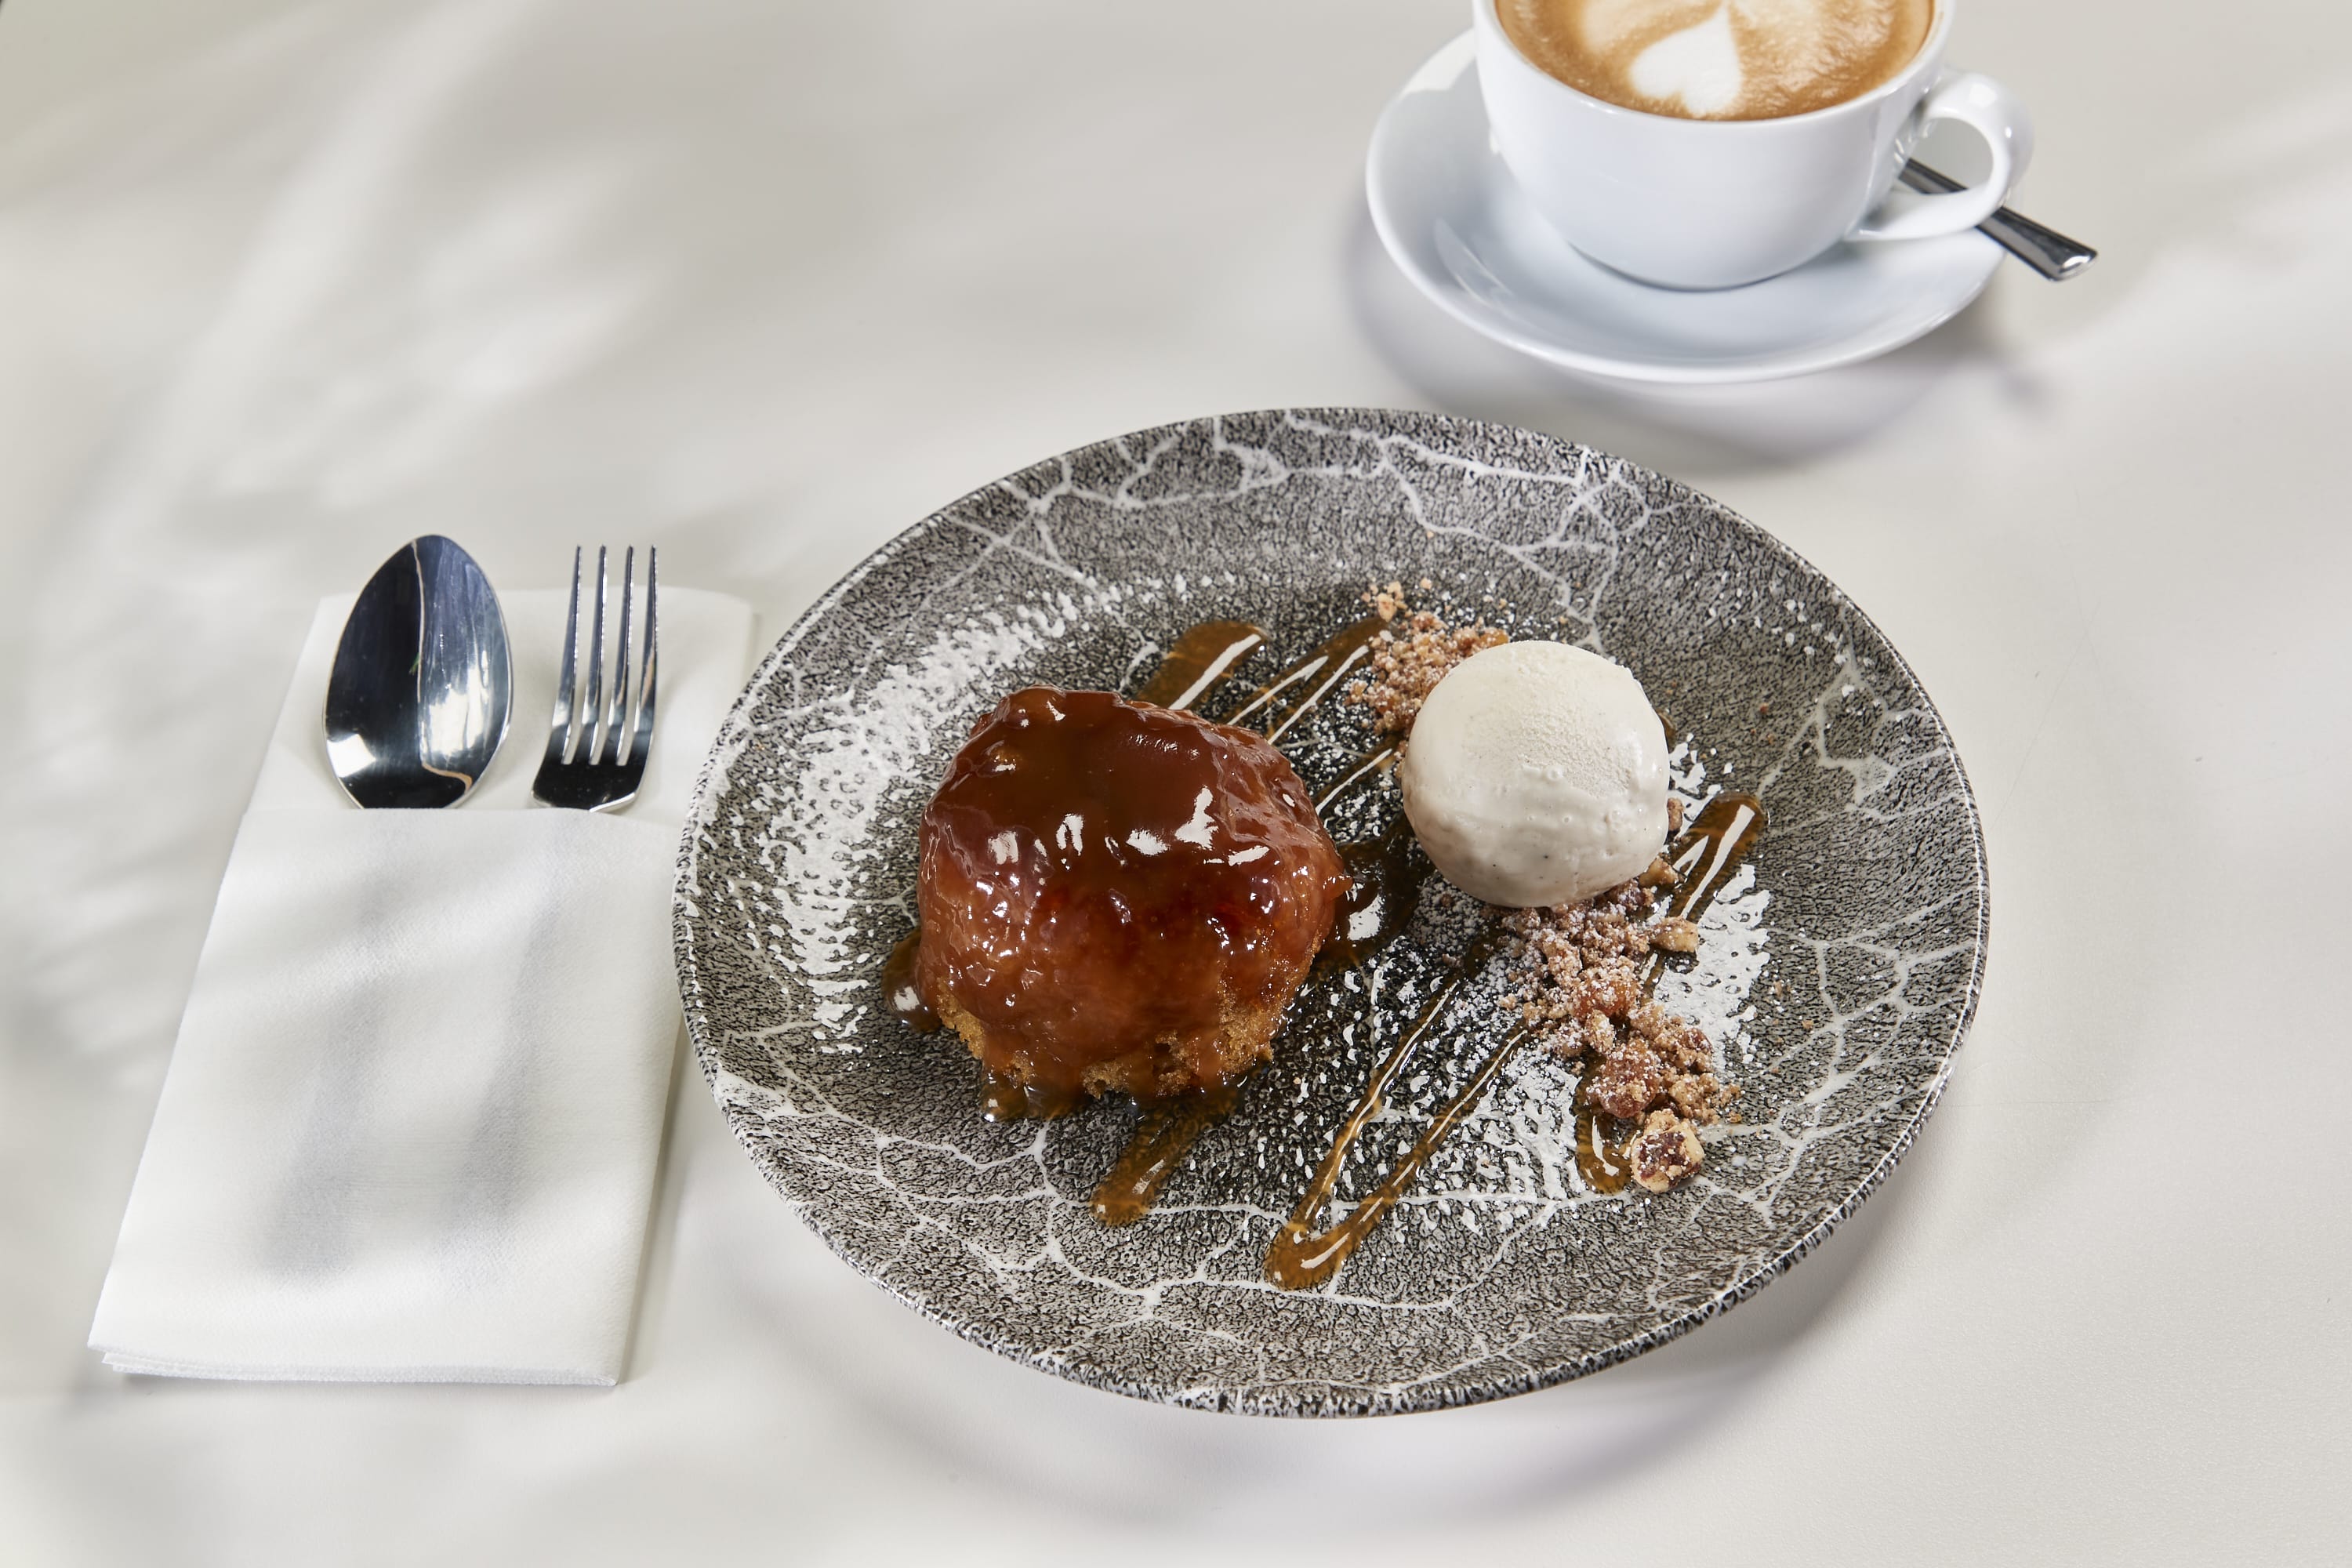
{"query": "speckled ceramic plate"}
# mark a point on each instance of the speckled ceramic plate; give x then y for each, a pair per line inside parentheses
(1838, 973)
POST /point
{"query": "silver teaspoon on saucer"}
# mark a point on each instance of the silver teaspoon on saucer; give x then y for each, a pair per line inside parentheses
(2045, 251)
(418, 696)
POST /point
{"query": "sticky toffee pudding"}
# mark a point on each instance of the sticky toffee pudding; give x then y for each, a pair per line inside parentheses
(1117, 897)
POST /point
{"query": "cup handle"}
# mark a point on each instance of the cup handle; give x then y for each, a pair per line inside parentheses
(1984, 104)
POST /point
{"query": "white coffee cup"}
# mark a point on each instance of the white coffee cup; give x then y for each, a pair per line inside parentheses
(1711, 204)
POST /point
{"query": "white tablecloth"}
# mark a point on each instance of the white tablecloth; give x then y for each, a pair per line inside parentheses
(762, 283)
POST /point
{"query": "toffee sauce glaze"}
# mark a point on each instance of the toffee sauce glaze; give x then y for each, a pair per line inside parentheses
(1116, 896)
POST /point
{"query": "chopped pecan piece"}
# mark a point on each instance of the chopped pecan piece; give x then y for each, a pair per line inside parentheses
(1629, 1082)
(1600, 1033)
(1665, 1151)
(1674, 934)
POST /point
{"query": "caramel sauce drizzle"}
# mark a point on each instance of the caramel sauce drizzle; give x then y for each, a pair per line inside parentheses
(1300, 1256)
(1387, 875)
(1306, 683)
(1165, 1134)
(1200, 661)
(1385, 872)
(1003, 1098)
(1704, 857)
(1601, 1144)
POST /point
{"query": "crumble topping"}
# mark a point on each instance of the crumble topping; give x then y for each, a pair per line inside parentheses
(1409, 659)
(1579, 973)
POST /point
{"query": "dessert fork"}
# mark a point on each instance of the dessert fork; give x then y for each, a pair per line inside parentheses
(596, 748)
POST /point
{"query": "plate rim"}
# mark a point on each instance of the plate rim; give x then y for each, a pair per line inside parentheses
(1455, 302)
(1396, 1400)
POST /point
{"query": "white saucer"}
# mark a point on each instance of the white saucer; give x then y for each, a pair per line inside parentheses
(1454, 220)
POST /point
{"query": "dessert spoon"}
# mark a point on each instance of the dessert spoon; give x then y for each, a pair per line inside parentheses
(417, 698)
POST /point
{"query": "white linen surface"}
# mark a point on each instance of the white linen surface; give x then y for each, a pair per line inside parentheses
(413, 1118)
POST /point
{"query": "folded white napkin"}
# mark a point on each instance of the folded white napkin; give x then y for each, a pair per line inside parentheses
(411, 1125)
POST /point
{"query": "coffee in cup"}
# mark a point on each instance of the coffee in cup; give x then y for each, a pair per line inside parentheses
(1719, 59)
(1708, 143)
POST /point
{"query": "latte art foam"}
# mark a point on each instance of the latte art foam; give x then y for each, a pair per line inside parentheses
(1719, 59)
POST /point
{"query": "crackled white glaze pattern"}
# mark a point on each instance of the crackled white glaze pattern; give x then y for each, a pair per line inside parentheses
(1838, 976)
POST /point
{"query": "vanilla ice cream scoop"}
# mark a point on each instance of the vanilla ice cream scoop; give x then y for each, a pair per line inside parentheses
(1537, 775)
